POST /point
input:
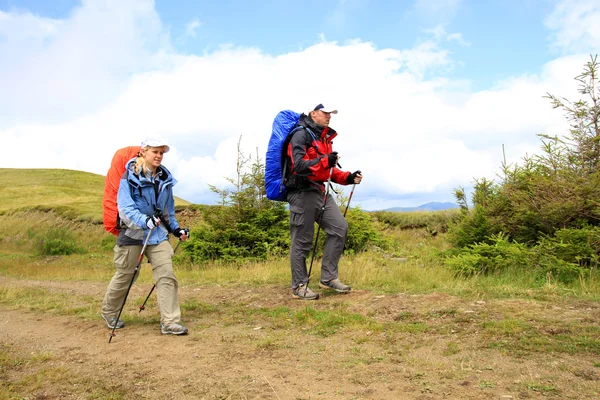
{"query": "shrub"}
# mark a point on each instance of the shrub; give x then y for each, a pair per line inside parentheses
(557, 189)
(563, 256)
(225, 236)
(496, 254)
(363, 230)
(58, 241)
(474, 227)
(548, 203)
(579, 246)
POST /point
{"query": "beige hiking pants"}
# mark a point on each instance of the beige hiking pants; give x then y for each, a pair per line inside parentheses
(125, 260)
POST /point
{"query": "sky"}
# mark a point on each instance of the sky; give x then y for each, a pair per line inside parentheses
(432, 94)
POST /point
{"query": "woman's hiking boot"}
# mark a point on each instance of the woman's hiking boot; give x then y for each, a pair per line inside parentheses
(173, 329)
(110, 322)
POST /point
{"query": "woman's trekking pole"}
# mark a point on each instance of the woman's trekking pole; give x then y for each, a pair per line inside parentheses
(143, 306)
(319, 227)
(137, 267)
(350, 198)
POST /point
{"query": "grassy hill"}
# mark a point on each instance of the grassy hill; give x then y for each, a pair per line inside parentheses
(409, 327)
(74, 194)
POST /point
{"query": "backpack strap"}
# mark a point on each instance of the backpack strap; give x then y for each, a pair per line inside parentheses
(309, 131)
(287, 142)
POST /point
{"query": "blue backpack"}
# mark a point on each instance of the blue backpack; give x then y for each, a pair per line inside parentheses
(284, 125)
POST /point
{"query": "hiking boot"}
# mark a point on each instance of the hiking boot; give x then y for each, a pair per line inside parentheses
(110, 322)
(303, 292)
(173, 329)
(336, 285)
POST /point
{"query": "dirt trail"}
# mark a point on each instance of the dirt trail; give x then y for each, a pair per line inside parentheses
(223, 358)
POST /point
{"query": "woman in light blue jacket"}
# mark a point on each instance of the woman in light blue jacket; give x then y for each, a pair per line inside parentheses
(146, 207)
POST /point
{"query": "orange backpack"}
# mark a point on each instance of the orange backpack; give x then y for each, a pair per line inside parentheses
(110, 212)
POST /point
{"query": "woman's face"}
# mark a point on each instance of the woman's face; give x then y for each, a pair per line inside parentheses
(153, 157)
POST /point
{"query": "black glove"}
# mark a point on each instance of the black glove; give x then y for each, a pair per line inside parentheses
(351, 177)
(152, 222)
(332, 159)
(181, 231)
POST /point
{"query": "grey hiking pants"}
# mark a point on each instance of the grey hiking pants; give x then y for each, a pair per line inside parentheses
(125, 260)
(305, 210)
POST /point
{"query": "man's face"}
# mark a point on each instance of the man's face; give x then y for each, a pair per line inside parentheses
(321, 118)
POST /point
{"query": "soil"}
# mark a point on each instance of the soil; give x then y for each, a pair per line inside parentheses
(235, 354)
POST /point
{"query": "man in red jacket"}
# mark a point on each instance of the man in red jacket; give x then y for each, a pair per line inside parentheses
(312, 162)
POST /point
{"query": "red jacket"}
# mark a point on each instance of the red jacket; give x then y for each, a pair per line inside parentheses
(308, 156)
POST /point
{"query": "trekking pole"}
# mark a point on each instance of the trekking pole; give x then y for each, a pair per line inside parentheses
(319, 227)
(143, 306)
(137, 267)
(350, 198)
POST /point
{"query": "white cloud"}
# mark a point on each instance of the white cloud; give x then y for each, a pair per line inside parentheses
(576, 26)
(409, 135)
(191, 27)
(53, 70)
(440, 35)
(435, 11)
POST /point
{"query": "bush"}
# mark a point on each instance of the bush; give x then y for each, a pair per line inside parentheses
(226, 237)
(364, 230)
(549, 203)
(576, 246)
(474, 227)
(58, 241)
(496, 254)
(563, 256)
(557, 189)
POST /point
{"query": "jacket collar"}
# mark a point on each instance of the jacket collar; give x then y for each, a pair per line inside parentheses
(162, 174)
(326, 133)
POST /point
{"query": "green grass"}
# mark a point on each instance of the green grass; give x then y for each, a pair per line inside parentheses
(418, 270)
(75, 195)
(407, 311)
(435, 221)
(417, 266)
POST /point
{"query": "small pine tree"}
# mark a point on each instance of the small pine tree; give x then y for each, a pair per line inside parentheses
(247, 225)
(547, 195)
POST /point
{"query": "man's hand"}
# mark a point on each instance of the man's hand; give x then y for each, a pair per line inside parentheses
(354, 177)
(332, 159)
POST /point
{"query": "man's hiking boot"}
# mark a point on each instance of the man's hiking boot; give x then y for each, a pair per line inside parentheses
(336, 285)
(173, 329)
(110, 322)
(303, 292)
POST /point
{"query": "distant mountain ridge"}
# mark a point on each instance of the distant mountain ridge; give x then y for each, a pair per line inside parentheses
(431, 206)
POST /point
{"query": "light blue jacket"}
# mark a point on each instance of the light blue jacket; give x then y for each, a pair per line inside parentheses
(141, 196)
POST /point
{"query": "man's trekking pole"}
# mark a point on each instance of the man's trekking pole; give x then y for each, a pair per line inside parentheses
(137, 267)
(350, 198)
(319, 227)
(143, 306)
